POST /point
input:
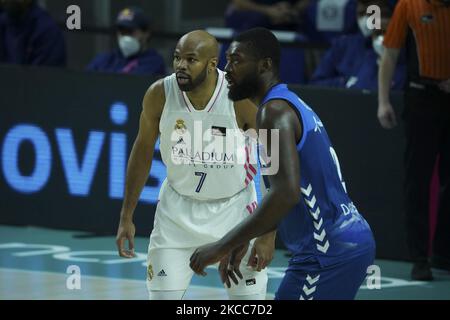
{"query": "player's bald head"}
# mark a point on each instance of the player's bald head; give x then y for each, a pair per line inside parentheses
(200, 42)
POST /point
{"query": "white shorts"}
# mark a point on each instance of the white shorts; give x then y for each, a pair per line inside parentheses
(183, 224)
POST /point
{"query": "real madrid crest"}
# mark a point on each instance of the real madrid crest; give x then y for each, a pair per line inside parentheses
(180, 127)
(149, 272)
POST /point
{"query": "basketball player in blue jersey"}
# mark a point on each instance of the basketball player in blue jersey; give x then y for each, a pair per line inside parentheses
(206, 193)
(307, 200)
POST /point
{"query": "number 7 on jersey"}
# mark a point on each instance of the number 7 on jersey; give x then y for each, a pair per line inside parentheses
(202, 176)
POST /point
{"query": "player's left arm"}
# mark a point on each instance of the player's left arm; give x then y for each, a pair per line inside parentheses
(284, 192)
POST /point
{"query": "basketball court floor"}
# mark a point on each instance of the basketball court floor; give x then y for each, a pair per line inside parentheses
(37, 263)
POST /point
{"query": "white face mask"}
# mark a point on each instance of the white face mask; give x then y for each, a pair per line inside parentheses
(128, 45)
(362, 24)
(377, 45)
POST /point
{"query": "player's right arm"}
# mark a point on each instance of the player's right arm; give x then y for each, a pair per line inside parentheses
(139, 164)
(386, 114)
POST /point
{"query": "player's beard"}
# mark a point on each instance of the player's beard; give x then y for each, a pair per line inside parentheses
(248, 87)
(194, 83)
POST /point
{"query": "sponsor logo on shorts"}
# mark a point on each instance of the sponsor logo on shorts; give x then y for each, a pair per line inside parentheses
(162, 273)
(250, 282)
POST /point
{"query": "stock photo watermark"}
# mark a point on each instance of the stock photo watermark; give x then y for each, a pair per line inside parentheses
(73, 281)
(373, 17)
(73, 21)
(373, 280)
(222, 148)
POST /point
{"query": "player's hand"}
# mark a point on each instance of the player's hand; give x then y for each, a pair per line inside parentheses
(445, 86)
(229, 265)
(386, 116)
(126, 231)
(206, 255)
(262, 253)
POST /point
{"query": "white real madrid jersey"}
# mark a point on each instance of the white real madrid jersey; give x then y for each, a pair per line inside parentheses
(206, 154)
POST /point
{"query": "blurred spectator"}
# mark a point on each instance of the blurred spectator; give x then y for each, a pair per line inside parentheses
(352, 61)
(134, 56)
(29, 36)
(328, 19)
(272, 14)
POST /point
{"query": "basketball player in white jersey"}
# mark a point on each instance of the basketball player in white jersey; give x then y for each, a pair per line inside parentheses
(206, 193)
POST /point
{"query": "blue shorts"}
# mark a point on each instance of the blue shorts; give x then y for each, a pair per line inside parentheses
(311, 281)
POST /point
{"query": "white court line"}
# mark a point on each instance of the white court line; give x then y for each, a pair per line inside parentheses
(32, 284)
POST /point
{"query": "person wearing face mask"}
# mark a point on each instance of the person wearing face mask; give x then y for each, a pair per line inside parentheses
(133, 55)
(352, 61)
(29, 36)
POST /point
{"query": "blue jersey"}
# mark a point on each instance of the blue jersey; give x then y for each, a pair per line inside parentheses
(325, 224)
